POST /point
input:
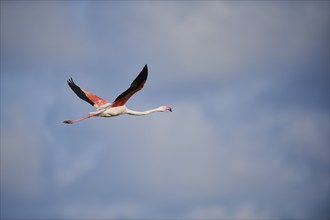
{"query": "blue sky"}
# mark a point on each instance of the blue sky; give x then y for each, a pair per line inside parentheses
(248, 82)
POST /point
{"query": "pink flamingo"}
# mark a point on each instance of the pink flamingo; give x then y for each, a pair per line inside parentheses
(107, 109)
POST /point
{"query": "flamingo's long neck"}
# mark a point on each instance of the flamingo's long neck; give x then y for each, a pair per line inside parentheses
(132, 112)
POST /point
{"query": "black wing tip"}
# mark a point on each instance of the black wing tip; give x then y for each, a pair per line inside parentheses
(145, 68)
(72, 85)
(144, 73)
(79, 92)
(70, 81)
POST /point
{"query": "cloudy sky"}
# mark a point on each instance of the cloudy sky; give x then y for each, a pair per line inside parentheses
(248, 82)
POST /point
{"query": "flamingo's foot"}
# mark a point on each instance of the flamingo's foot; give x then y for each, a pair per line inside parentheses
(68, 122)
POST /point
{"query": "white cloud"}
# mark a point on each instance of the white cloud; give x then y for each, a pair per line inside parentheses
(43, 33)
(21, 157)
(196, 40)
(217, 212)
(217, 39)
(69, 167)
(223, 153)
(306, 135)
(186, 158)
(118, 210)
(177, 151)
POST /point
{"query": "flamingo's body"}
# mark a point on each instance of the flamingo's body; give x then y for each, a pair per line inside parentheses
(118, 107)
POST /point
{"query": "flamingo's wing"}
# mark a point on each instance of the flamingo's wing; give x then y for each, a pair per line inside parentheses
(136, 85)
(91, 98)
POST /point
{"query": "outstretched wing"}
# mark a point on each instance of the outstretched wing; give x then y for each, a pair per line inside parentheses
(91, 98)
(136, 85)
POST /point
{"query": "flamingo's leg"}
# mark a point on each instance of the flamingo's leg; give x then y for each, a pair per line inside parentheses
(79, 119)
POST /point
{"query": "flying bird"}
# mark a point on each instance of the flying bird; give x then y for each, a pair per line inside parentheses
(118, 107)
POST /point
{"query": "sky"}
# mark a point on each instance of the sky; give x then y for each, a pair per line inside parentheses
(248, 82)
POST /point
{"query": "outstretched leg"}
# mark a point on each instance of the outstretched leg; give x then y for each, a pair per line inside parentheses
(79, 119)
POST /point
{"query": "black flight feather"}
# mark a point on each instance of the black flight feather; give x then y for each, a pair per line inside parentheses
(136, 85)
(79, 92)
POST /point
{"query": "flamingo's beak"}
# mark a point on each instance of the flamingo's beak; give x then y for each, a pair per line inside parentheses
(170, 109)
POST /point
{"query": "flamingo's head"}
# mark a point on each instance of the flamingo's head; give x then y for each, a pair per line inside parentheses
(165, 108)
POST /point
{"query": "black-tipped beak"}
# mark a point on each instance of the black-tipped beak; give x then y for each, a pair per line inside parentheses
(170, 110)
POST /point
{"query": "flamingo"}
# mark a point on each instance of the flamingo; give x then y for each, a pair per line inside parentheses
(118, 107)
